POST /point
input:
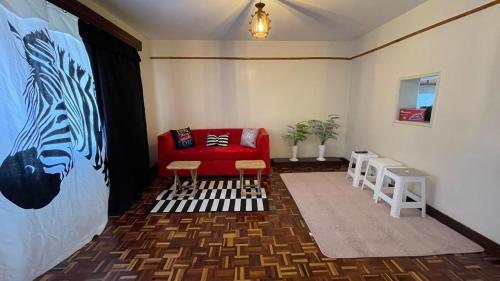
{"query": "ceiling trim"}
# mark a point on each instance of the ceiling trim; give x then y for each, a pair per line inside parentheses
(430, 27)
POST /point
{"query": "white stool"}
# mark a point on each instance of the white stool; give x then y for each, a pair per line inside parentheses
(360, 160)
(402, 177)
(374, 181)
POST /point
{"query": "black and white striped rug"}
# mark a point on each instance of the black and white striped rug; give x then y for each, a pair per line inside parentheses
(211, 196)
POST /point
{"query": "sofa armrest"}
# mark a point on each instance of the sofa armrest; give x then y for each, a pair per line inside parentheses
(263, 149)
(165, 149)
(262, 139)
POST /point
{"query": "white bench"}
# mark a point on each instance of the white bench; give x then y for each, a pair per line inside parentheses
(374, 173)
(359, 160)
(402, 178)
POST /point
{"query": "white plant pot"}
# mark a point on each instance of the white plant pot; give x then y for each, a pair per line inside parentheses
(294, 153)
(321, 153)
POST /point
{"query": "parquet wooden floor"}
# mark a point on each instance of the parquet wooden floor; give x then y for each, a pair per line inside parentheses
(273, 245)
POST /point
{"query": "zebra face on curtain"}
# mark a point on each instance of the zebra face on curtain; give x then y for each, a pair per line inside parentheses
(62, 120)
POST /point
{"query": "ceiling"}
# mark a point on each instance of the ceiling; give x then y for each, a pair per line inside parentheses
(291, 20)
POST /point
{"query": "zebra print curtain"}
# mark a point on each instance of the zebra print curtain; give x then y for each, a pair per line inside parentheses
(53, 164)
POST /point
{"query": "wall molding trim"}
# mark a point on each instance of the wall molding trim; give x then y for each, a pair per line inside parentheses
(430, 27)
(246, 58)
(402, 38)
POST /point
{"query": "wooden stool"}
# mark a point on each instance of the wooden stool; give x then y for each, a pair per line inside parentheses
(241, 166)
(192, 166)
(378, 166)
(402, 177)
(359, 159)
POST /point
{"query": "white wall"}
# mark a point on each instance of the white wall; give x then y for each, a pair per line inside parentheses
(233, 93)
(461, 151)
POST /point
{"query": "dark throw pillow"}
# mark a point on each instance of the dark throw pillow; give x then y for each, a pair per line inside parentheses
(182, 138)
(213, 140)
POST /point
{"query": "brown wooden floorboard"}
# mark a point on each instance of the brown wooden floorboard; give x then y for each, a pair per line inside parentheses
(273, 245)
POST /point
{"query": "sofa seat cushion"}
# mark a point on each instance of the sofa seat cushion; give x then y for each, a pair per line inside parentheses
(231, 152)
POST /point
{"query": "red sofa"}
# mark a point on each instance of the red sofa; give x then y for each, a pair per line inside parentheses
(215, 161)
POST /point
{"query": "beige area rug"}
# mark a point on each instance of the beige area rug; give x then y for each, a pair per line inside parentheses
(347, 223)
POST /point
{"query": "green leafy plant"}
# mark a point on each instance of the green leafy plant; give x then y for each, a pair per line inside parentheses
(297, 133)
(326, 129)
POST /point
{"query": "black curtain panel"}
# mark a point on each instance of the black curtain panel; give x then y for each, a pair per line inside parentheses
(119, 91)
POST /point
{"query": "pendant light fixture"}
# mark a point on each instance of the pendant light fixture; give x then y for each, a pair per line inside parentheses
(259, 22)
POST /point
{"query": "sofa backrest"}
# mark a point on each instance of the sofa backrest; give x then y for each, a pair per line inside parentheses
(200, 135)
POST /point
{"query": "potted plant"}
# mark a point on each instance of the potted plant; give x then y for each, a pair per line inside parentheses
(324, 130)
(297, 133)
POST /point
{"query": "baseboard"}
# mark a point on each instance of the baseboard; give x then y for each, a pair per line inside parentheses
(490, 246)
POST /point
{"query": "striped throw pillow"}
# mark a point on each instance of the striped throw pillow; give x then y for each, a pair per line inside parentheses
(213, 140)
